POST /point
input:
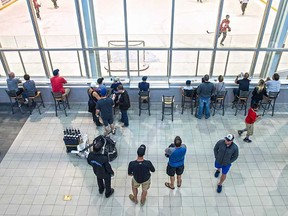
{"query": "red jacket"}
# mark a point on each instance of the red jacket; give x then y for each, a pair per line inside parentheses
(57, 84)
(251, 117)
(224, 26)
(36, 5)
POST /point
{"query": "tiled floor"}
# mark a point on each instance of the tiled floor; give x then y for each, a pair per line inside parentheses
(36, 172)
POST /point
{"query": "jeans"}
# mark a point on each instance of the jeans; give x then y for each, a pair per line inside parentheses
(202, 101)
(124, 117)
(103, 186)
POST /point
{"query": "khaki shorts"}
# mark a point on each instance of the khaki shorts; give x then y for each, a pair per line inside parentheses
(250, 129)
(145, 185)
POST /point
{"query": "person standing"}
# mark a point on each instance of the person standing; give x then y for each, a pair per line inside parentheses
(204, 91)
(224, 27)
(176, 153)
(124, 105)
(37, 8)
(105, 107)
(225, 153)
(94, 96)
(102, 169)
(57, 83)
(250, 119)
(55, 4)
(140, 170)
(244, 4)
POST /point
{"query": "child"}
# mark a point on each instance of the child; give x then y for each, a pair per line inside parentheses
(250, 119)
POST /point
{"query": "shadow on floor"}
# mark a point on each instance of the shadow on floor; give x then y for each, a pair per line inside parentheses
(10, 126)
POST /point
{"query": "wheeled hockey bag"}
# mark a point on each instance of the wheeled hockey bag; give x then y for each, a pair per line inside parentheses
(108, 146)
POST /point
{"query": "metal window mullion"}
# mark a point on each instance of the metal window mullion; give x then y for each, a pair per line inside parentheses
(220, 10)
(95, 37)
(126, 37)
(4, 62)
(260, 37)
(21, 59)
(197, 63)
(226, 65)
(171, 40)
(82, 39)
(38, 37)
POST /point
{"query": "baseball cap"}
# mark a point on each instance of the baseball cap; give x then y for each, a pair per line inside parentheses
(116, 79)
(141, 150)
(144, 78)
(229, 137)
(103, 91)
(188, 82)
(56, 72)
(93, 85)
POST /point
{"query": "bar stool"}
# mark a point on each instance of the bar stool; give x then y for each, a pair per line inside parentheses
(16, 98)
(241, 103)
(269, 102)
(37, 99)
(187, 98)
(167, 103)
(61, 102)
(219, 103)
(144, 101)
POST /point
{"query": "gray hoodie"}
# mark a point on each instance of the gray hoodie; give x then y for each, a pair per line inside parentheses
(225, 155)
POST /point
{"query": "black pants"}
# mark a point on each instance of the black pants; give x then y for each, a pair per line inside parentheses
(243, 7)
(224, 36)
(104, 184)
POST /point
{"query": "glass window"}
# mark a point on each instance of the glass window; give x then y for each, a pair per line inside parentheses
(14, 63)
(239, 61)
(67, 62)
(191, 23)
(109, 18)
(16, 21)
(2, 72)
(204, 63)
(149, 21)
(244, 27)
(184, 63)
(283, 64)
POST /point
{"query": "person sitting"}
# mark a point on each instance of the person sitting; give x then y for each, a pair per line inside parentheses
(258, 92)
(29, 85)
(12, 84)
(274, 84)
(243, 85)
(218, 87)
(94, 96)
(144, 86)
(57, 83)
(186, 90)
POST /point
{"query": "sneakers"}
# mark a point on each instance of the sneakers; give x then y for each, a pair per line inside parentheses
(247, 140)
(131, 197)
(111, 192)
(221, 44)
(101, 191)
(217, 173)
(142, 202)
(219, 188)
(240, 132)
(113, 131)
(26, 101)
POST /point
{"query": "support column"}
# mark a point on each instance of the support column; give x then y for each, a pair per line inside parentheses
(89, 36)
(4, 62)
(277, 40)
(38, 37)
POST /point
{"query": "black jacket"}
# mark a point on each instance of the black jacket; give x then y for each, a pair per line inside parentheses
(225, 155)
(124, 101)
(100, 164)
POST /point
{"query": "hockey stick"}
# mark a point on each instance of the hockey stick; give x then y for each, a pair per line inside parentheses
(209, 32)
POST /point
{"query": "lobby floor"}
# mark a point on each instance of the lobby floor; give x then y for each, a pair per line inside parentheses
(37, 172)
